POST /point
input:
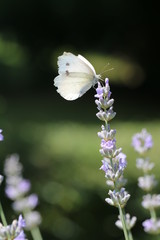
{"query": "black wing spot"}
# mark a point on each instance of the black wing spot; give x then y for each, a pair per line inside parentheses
(67, 64)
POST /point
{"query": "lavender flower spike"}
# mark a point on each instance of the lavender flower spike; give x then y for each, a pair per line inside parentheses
(114, 161)
(142, 142)
(16, 189)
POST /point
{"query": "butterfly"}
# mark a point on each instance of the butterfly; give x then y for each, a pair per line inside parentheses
(76, 76)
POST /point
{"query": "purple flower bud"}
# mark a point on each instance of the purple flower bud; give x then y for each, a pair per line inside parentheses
(108, 144)
(104, 166)
(14, 231)
(114, 162)
(122, 161)
(110, 114)
(118, 198)
(21, 236)
(107, 82)
(107, 88)
(108, 147)
(21, 222)
(99, 91)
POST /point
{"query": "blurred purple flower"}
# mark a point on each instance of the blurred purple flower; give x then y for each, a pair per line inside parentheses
(1, 135)
(142, 141)
(12, 166)
(130, 221)
(147, 182)
(25, 203)
(152, 226)
(33, 201)
(19, 189)
(151, 201)
(32, 219)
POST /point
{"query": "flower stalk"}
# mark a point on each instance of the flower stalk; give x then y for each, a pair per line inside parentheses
(122, 218)
(3, 218)
(17, 189)
(114, 161)
(142, 143)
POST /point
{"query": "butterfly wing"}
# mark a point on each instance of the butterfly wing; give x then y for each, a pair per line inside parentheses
(76, 76)
(73, 85)
(71, 63)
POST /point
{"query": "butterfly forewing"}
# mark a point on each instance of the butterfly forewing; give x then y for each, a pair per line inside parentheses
(71, 63)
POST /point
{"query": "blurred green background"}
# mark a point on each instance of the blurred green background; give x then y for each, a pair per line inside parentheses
(57, 140)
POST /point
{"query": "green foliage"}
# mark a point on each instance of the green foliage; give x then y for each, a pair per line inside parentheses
(62, 160)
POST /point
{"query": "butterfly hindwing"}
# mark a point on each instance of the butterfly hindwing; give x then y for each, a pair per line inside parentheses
(72, 87)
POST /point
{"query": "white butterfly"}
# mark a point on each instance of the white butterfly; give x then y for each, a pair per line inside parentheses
(76, 76)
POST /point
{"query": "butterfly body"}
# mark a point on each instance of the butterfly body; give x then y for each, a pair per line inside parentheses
(76, 76)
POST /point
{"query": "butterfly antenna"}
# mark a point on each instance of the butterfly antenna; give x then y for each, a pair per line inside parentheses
(100, 78)
(110, 69)
(106, 70)
(103, 69)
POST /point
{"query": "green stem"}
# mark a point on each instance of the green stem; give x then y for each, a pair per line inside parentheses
(129, 231)
(130, 235)
(36, 235)
(123, 223)
(153, 214)
(106, 125)
(111, 162)
(3, 218)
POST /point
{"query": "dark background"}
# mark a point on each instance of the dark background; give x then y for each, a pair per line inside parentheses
(46, 29)
(32, 35)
